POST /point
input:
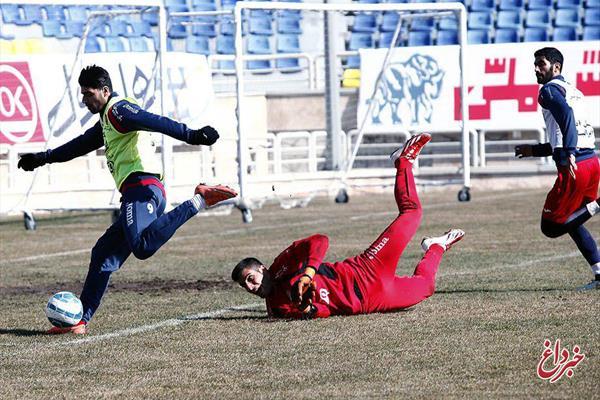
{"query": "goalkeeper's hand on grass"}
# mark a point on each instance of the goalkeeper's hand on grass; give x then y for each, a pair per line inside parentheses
(304, 292)
(31, 161)
(206, 136)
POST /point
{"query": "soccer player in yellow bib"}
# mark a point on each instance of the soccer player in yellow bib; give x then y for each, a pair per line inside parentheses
(143, 226)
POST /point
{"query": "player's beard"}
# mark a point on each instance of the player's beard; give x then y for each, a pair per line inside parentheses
(542, 79)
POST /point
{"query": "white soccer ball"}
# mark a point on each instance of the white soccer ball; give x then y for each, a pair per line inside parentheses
(64, 309)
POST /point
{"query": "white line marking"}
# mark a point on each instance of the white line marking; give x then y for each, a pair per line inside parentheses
(33, 258)
(162, 324)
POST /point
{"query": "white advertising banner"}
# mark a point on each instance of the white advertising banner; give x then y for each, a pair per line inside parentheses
(420, 88)
(39, 102)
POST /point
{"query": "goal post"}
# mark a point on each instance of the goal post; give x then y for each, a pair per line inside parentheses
(456, 8)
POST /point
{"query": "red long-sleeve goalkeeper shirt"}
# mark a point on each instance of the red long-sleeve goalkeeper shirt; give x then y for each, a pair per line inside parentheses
(338, 291)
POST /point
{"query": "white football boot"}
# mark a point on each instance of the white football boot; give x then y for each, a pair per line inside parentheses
(446, 240)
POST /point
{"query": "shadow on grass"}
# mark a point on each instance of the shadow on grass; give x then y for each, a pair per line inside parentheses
(516, 290)
(22, 332)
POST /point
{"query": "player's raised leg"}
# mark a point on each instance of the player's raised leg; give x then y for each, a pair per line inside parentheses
(386, 250)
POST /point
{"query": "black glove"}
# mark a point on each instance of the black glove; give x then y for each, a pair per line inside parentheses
(206, 136)
(31, 161)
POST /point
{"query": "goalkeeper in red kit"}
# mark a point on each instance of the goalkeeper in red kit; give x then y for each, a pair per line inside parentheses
(300, 285)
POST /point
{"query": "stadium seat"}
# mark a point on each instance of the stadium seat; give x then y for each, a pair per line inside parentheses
(564, 34)
(114, 44)
(419, 38)
(592, 4)
(118, 27)
(10, 13)
(151, 16)
(353, 62)
(537, 19)
(389, 21)
(545, 5)
(260, 14)
(591, 17)
(228, 4)
(568, 4)
(509, 19)
(74, 28)
(360, 40)
(535, 35)
(288, 25)
(32, 15)
(205, 7)
(197, 45)
(54, 12)
(482, 5)
(385, 40)
(227, 27)
(206, 29)
(225, 45)
(591, 33)
(479, 20)
(260, 26)
(77, 13)
(448, 23)
(140, 28)
(288, 44)
(138, 44)
(511, 5)
(259, 44)
(422, 24)
(51, 28)
(175, 3)
(177, 31)
(201, 2)
(447, 37)
(294, 14)
(506, 35)
(100, 29)
(567, 17)
(364, 23)
(478, 36)
(92, 45)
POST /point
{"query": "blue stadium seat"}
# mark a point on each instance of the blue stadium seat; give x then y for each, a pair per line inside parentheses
(197, 45)
(206, 29)
(479, 20)
(353, 62)
(448, 23)
(114, 44)
(177, 31)
(52, 28)
(539, 5)
(227, 27)
(537, 19)
(259, 44)
(535, 35)
(33, 15)
(92, 45)
(419, 38)
(74, 28)
(567, 17)
(385, 39)
(55, 12)
(138, 44)
(10, 13)
(225, 45)
(592, 4)
(446, 37)
(295, 14)
(175, 3)
(140, 28)
(100, 29)
(564, 34)
(506, 35)
(228, 4)
(569, 3)
(118, 27)
(360, 41)
(77, 13)
(591, 17)
(369, 1)
(389, 22)
(260, 26)
(205, 7)
(200, 2)
(478, 36)
(422, 24)
(288, 25)
(591, 33)
(511, 5)
(151, 16)
(260, 14)
(482, 5)
(364, 23)
(288, 44)
(509, 19)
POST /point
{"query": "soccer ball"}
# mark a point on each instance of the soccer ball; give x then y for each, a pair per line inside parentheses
(64, 309)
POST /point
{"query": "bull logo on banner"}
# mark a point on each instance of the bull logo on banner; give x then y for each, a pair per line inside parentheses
(406, 91)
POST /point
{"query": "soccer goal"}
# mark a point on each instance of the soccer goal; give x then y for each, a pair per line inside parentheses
(397, 89)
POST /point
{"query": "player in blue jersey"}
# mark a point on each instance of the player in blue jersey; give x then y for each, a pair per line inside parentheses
(143, 226)
(574, 198)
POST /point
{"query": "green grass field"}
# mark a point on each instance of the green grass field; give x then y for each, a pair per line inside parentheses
(167, 328)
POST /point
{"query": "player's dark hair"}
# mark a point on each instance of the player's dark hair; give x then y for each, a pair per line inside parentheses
(249, 262)
(551, 54)
(95, 77)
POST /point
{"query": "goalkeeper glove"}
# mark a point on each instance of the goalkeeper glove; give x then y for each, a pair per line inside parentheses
(31, 161)
(206, 136)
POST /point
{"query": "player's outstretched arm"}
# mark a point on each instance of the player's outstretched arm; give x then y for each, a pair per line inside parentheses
(127, 117)
(83, 144)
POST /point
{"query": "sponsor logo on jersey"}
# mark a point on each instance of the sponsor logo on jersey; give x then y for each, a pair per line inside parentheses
(130, 108)
(324, 295)
(129, 213)
(372, 251)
